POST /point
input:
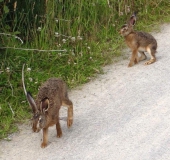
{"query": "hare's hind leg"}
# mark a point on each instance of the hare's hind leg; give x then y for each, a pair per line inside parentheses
(152, 55)
(59, 131)
(143, 56)
(69, 105)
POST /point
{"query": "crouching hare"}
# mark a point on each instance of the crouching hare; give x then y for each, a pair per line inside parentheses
(138, 42)
(51, 96)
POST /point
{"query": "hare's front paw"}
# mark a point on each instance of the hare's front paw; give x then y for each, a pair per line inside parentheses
(59, 134)
(69, 122)
(43, 145)
(130, 64)
(136, 60)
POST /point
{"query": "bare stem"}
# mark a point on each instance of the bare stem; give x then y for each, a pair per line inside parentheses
(6, 34)
(11, 109)
(25, 49)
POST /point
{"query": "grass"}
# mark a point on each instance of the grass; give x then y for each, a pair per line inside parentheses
(88, 31)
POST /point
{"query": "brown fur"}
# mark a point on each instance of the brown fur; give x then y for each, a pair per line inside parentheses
(138, 42)
(56, 91)
(51, 96)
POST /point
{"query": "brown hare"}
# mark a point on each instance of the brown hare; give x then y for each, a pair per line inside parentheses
(138, 42)
(51, 96)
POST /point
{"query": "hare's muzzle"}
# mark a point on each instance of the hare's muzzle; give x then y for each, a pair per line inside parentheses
(35, 127)
(38, 129)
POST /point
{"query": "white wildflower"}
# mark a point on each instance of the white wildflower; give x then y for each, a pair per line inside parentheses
(28, 69)
(30, 79)
(88, 48)
(79, 38)
(7, 69)
(73, 54)
(73, 39)
(57, 34)
(64, 40)
(39, 29)
(121, 14)
(128, 9)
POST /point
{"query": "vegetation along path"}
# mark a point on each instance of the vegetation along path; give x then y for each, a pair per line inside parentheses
(122, 115)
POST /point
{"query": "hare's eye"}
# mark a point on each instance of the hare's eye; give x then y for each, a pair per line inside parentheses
(35, 116)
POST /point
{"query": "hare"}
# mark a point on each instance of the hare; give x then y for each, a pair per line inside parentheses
(51, 96)
(138, 42)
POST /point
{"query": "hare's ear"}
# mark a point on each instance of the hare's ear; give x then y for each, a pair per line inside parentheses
(31, 102)
(132, 20)
(44, 105)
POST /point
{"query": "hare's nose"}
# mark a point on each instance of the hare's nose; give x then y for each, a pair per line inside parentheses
(38, 129)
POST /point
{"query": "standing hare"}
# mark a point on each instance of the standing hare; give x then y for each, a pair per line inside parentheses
(51, 96)
(138, 42)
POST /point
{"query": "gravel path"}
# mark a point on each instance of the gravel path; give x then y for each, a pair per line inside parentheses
(122, 115)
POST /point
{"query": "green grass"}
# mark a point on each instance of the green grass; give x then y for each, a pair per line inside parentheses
(92, 24)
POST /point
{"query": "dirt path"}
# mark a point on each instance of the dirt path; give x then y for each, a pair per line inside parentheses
(122, 115)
